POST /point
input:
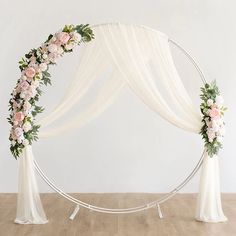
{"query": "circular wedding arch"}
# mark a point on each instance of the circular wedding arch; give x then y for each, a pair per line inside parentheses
(152, 204)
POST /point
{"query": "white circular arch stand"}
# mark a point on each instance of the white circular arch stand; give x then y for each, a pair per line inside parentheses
(152, 204)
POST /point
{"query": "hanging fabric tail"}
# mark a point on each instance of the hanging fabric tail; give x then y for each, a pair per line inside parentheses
(29, 206)
(209, 207)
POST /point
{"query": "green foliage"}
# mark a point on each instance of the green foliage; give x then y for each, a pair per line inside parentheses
(85, 32)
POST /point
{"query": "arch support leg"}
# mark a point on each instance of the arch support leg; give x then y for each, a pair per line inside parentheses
(159, 211)
(75, 212)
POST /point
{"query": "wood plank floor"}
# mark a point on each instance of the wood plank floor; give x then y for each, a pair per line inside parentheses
(178, 217)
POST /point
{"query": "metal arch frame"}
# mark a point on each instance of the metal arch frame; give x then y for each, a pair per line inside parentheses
(152, 204)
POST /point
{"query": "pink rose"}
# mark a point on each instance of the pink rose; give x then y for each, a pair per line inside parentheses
(19, 116)
(63, 37)
(18, 132)
(24, 85)
(214, 113)
(57, 42)
(30, 72)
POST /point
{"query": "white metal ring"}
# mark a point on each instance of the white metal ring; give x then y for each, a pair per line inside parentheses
(148, 205)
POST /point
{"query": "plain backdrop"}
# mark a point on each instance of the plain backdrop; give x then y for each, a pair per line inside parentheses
(128, 148)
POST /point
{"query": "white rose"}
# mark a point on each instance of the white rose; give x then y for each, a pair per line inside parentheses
(27, 126)
(35, 83)
(43, 66)
(52, 48)
(210, 102)
(76, 36)
(26, 142)
(60, 50)
(23, 77)
(45, 56)
(20, 139)
(70, 46)
(13, 142)
(22, 95)
(219, 100)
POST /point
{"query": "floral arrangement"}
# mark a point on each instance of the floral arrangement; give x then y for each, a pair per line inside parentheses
(212, 109)
(34, 73)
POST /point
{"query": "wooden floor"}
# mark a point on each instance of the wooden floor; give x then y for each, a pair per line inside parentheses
(178, 217)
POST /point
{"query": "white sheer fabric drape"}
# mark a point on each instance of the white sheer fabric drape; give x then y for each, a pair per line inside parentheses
(209, 207)
(29, 206)
(138, 57)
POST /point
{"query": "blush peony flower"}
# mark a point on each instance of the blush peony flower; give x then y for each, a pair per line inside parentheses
(214, 113)
(19, 116)
(30, 72)
(63, 37)
(52, 48)
(18, 132)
